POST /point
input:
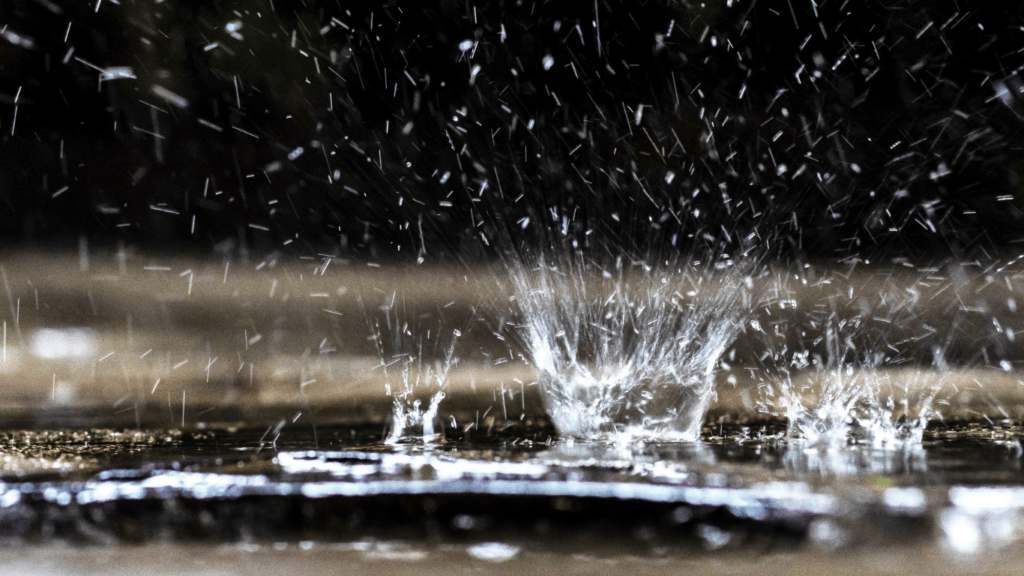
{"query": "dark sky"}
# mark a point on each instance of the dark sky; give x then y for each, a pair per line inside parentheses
(823, 129)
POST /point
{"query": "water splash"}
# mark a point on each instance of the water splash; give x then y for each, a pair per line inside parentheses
(414, 425)
(864, 389)
(901, 405)
(628, 351)
(869, 405)
(409, 374)
(411, 424)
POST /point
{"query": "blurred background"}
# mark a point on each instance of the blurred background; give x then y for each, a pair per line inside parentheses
(806, 129)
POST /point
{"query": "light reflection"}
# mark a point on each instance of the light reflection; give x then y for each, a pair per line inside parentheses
(493, 551)
(982, 518)
(61, 343)
(853, 460)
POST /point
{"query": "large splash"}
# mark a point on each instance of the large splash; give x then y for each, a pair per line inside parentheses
(628, 351)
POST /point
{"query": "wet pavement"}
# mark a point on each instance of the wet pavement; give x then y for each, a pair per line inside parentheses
(742, 490)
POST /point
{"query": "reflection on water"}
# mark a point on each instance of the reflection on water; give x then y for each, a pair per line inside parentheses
(983, 518)
(852, 460)
(960, 490)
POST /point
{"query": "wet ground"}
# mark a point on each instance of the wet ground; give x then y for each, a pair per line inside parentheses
(401, 559)
(512, 494)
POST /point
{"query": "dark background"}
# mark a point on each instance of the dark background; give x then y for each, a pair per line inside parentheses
(829, 130)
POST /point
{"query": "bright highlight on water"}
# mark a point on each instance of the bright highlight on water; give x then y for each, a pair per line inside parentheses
(629, 351)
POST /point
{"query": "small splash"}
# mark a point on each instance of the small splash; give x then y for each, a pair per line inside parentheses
(411, 424)
(899, 407)
(628, 352)
(863, 388)
(866, 404)
(409, 376)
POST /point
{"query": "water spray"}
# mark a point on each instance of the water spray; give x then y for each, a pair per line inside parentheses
(628, 351)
